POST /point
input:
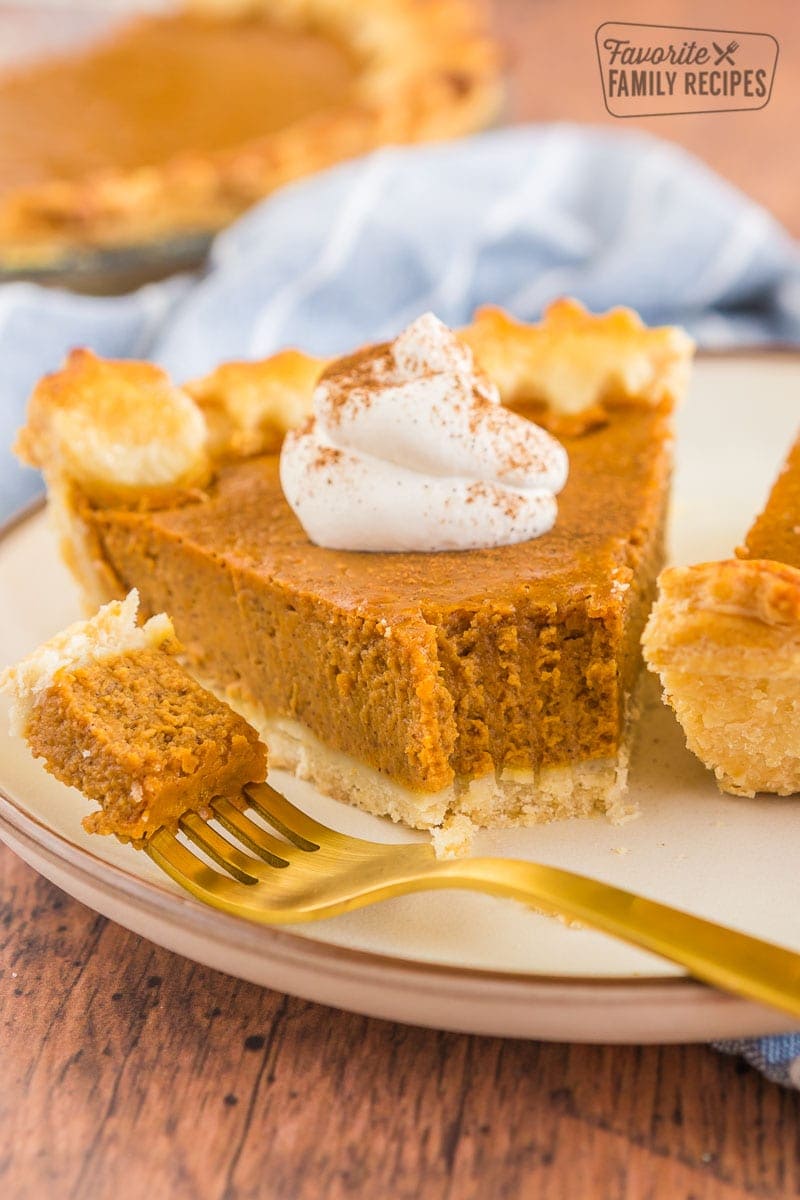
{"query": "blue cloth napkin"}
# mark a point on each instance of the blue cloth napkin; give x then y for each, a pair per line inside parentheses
(514, 217)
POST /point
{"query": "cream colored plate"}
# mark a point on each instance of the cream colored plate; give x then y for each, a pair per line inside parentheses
(456, 960)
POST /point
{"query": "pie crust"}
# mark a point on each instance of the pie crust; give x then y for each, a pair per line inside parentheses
(420, 71)
(569, 372)
(724, 637)
(574, 366)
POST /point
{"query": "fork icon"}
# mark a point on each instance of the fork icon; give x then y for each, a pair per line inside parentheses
(725, 55)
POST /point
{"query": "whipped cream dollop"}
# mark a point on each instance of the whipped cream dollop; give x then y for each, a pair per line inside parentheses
(410, 449)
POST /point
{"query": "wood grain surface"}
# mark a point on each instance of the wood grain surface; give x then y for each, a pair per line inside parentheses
(128, 1072)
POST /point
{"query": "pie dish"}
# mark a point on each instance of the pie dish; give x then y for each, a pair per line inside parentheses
(109, 708)
(724, 637)
(494, 686)
(188, 117)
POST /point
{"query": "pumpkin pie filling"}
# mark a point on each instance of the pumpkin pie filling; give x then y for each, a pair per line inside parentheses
(163, 86)
(775, 533)
(496, 683)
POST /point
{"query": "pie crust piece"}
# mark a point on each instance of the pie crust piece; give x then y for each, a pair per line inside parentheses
(495, 685)
(401, 71)
(575, 366)
(724, 637)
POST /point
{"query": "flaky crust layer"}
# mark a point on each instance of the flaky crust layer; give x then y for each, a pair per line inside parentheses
(92, 421)
(249, 406)
(727, 618)
(574, 365)
(581, 789)
(425, 71)
(117, 429)
(725, 639)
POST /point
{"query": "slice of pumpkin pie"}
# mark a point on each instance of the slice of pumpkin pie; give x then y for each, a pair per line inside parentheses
(429, 605)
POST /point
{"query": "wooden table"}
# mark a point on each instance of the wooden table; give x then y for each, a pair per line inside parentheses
(127, 1072)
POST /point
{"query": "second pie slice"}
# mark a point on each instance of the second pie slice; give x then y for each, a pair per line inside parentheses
(724, 637)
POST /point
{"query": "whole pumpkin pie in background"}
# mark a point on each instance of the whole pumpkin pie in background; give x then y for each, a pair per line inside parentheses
(724, 637)
(109, 708)
(174, 123)
(492, 684)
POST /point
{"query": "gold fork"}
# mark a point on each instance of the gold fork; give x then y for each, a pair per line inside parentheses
(318, 873)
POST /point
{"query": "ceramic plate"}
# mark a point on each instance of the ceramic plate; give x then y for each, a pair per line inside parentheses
(455, 960)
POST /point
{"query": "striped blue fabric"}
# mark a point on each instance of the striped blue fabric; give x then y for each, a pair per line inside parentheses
(514, 217)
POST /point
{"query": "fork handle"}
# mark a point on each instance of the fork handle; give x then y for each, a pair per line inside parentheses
(733, 961)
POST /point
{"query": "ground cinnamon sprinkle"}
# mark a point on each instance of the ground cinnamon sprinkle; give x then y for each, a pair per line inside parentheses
(508, 502)
(350, 379)
(327, 456)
